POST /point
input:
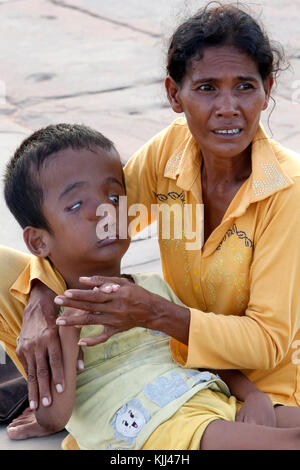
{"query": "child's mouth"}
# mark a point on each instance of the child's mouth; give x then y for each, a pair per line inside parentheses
(106, 241)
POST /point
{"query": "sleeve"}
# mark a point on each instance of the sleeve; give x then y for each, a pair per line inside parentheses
(37, 268)
(263, 336)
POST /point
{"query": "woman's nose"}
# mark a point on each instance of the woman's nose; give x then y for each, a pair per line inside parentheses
(227, 106)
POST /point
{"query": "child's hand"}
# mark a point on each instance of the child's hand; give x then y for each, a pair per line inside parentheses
(257, 409)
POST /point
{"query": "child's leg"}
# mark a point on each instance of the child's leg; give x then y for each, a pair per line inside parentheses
(287, 416)
(226, 435)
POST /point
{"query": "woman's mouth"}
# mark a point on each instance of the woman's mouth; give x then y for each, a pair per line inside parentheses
(228, 133)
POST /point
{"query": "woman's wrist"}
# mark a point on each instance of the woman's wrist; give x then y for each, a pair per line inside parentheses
(169, 318)
(40, 293)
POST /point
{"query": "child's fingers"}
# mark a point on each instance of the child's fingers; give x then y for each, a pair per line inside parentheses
(107, 288)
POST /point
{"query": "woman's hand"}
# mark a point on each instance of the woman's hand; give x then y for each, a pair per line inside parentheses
(39, 348)
(257, 409)
(120, 305)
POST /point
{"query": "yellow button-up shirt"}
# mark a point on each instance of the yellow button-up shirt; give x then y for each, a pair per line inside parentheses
(243, 285)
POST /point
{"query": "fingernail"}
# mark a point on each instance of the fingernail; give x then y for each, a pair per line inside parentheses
(80, 365)
(59, 388)
(45, 401)
(82, 278)
(59, 301)
(82, 343)
(105, 288)
(68, 294)
(32, 405)
(60, 321)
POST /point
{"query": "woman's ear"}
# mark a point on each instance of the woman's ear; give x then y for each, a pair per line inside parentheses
(172, 90)
(36, 240)
(268, 85)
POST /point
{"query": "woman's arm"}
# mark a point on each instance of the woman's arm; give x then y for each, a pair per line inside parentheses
(258, 407)
(56, 416)
(39, 348)
(128, 307)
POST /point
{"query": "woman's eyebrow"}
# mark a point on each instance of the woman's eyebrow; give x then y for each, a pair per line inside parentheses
(243, 78)
(70, 188)
(248, 78)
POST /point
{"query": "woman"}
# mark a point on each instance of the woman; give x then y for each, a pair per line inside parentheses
(241, 287)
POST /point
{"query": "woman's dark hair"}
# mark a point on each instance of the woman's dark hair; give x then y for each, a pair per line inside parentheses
(222, 25)
(22, 189)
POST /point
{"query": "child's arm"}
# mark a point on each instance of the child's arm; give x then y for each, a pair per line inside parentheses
(257, 407)
(56, 416)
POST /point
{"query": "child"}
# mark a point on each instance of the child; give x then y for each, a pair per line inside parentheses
(130, 387)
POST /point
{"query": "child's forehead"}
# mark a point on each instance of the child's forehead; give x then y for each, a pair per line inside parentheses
(69, 159)
(70, 165)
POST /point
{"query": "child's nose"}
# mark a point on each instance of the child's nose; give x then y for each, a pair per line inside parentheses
(91, 210)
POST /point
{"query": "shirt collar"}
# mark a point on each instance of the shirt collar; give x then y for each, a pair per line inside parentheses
(267, 176)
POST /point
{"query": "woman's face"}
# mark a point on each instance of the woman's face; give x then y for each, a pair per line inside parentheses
(222, 96)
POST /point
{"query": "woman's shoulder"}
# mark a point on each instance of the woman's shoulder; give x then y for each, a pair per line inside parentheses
(288, 159)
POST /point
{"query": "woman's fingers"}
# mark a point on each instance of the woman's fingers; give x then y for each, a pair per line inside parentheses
(97, 281)
(94, 296)
(88, 303)
(105, 335)
(82, 319)
(32, 384)
(56, 364)
(43, 377)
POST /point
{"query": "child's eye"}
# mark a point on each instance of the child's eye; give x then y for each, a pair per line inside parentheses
(205, 87)
(114, 199)
(74, 207)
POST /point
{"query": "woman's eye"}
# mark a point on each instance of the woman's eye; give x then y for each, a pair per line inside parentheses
(114, 199)
(245, 86)
(73, 207)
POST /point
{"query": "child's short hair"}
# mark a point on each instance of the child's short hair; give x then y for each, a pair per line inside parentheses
(23, 192)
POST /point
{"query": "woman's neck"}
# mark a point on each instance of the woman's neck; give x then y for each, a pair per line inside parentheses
(223, 173)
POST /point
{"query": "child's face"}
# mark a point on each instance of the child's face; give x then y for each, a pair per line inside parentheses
(75, 183)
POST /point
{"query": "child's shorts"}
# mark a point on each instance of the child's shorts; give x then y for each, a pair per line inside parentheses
(184, 430)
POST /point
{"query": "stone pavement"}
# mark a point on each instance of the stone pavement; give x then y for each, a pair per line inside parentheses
(102, 64)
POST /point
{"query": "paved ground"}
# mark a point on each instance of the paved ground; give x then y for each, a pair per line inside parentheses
(102, 64)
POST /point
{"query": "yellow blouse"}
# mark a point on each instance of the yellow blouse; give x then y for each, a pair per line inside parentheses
(242, 287)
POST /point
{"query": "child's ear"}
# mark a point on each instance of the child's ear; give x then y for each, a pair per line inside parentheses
(36, 240)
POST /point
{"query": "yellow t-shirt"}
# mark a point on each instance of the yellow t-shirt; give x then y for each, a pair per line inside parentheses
(130, 384)
(242, 287)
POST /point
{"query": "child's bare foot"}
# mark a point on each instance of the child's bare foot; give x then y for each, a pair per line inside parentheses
(26, 426)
